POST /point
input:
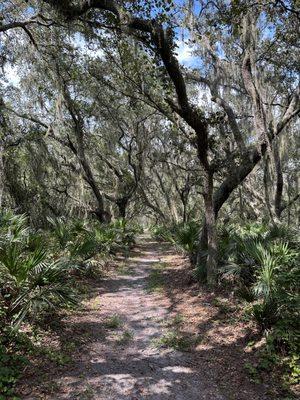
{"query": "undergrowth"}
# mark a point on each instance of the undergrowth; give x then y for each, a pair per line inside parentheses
(174, 336)
(261, 264)
(41, 273)
(155, 279)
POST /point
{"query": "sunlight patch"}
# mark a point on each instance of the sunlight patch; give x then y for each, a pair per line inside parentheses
(177, 369)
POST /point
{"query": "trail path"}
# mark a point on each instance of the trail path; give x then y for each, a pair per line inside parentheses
(122, 362)
(137, 369)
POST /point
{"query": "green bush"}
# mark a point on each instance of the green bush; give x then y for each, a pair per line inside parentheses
(37, 274)
(183, 236)
(61, 231)
(10, 370)
(161, 232)
(264, 263)
(30, 281)
(81, 241)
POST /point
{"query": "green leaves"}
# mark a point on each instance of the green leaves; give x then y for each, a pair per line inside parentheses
(264, 263)
(10, 369)
(31, 282)
(183, 236)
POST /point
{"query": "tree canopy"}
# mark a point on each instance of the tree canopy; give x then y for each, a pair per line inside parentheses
(121, 126)
(179, 117)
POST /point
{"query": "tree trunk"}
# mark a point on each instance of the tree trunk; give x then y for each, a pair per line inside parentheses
(266, 181)
(207, 254)
(89, 178)
(170, 204)
(79, 151)
(1, 175)
(279, 180)
(241, 204)
(211, 232)
(122, 206)
(184, 216)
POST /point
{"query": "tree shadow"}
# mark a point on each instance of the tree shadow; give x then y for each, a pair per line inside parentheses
(110, 369)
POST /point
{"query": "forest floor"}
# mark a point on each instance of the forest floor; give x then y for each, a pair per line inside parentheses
(146, 331)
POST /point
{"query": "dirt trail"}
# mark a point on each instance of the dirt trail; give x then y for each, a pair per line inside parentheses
(121, 362)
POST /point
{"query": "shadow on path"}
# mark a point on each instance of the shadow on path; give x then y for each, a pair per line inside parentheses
(123, 363)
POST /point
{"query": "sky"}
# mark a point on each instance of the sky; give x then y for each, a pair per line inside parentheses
(183, 50)
(185, 55)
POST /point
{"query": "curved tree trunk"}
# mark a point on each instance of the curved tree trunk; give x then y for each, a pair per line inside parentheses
(101, 214)
(266, 181)
(219, 197)
(184, 213)
(79, 149)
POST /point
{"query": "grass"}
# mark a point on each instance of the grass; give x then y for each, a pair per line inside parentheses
(51, 387)
(125, 338)
(94, 303)
(155, 280)
(113, 322)
(176, 321)
(125, 269)
(222, 305)
(88, 393)
(174, 339)
(57, 356)
(253, 373)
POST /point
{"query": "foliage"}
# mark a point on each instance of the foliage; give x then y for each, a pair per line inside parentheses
(10, 370)
(183, 236)
(161, 232)
(186, 237)
(31, 282)
(35, 278)
(37, 273)
(125, 337)
(264, 264)
(113, 322)
(82, 241)
(61, 231)
(175, 338)
(12, 361)
(156, 280)
(135, 131)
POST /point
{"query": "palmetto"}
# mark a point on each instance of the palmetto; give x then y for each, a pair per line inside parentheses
(30, 282)
(265, 262)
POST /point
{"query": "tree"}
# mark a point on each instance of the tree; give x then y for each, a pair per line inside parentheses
(161, 40)
(253, 97)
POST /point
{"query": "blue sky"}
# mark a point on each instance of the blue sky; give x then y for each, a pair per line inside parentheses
(184, 51)
(185, 56)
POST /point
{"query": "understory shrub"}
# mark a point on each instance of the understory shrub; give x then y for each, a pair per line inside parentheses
(183, 236)
(264, 265)
(31, 280)
(37, 268)
(38, 271)
(81, 240)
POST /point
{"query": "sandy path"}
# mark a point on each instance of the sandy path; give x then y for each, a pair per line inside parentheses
(128, 365)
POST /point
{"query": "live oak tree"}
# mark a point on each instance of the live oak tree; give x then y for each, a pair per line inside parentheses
(103, 136)
(253, 95)
(160, 37)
